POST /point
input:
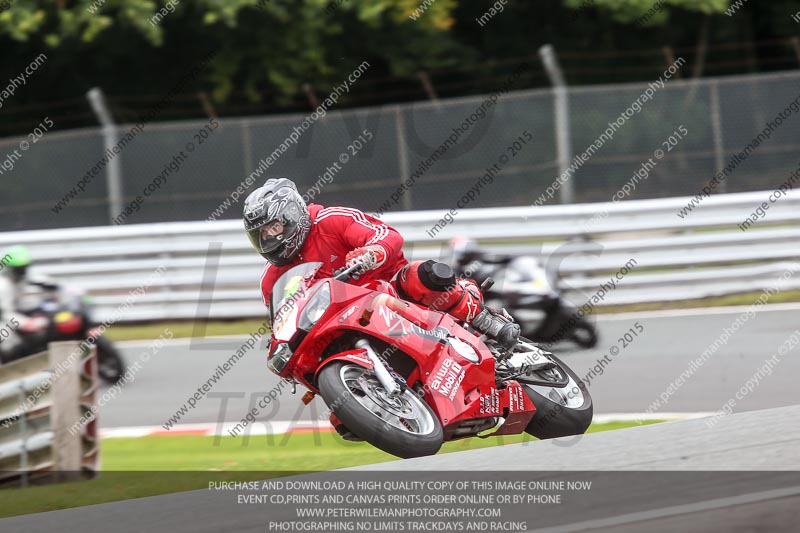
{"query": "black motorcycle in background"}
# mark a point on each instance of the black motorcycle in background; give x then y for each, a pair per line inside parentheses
(64, 314)
(530, 293)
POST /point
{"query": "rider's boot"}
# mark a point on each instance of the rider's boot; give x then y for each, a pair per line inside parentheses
(500, 327)
(434, 285)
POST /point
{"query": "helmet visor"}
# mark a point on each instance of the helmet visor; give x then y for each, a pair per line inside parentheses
(268, 237)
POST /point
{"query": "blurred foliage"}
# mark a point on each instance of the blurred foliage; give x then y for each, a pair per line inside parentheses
(277, 43)
(655, 12)
(266, 50)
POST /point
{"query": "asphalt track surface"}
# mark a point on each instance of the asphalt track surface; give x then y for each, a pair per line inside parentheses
(741, 475)
(637, 376)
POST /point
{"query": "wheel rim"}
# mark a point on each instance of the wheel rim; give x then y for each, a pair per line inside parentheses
(570, 396)
(406, 412)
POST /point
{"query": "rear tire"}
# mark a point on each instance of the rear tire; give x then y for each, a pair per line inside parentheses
(342, 387)
(557, 416)
(584, 334)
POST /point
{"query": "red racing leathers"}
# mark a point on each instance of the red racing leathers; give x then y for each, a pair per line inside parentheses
(337, 231)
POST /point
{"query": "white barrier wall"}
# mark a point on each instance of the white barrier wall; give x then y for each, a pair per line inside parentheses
(42, 397)
(202, 270)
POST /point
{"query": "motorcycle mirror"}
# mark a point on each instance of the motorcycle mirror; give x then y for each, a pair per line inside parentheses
(487, 284)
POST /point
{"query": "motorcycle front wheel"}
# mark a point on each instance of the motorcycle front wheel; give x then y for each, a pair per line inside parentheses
(404, 425)
(110, 366)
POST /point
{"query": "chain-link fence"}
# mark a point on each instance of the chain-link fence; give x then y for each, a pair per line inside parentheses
(721, 116)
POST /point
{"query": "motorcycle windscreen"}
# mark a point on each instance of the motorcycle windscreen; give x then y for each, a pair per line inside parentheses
(290, 287)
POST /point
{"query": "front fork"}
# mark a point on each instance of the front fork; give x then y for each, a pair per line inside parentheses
(390, 385)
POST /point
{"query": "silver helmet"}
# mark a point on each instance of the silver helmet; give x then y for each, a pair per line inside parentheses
(277, 220)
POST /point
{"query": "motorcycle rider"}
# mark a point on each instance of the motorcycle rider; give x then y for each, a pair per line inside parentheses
(16, 286)
(287, 232)
(14, 265)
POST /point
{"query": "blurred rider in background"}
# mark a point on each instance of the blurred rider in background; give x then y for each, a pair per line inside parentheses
(18, 292)
(287, 232)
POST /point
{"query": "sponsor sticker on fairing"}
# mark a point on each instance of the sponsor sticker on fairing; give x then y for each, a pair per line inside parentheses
(347, 314)
(490, 403)
(516, 401)
(359, 357)
(447, 378)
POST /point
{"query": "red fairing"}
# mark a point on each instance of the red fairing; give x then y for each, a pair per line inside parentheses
(358, 357)
(335, 232)
(460, 390)
(447, 365)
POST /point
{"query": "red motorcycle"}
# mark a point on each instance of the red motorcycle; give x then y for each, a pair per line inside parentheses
(406, 378)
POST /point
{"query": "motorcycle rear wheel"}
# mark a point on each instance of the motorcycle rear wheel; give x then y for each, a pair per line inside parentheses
(404, 426)
(560, 411)
(584, 334)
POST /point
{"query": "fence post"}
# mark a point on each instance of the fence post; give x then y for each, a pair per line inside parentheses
(427, 84)
(562, 126)
(247, 147)
(113, 170)
(66, 410)
(23, 435)
(716, 127)
(402, 154)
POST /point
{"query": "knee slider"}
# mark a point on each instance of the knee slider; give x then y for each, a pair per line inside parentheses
(436, 276)
(423, 282)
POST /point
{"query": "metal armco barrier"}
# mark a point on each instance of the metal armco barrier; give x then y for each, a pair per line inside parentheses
(211, 271)
(41, 397)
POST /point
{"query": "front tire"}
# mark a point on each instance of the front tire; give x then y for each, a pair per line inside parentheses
(404, 426)
(110, 366)
(560, 412)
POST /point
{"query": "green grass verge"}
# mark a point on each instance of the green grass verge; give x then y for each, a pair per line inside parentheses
(182, 329)
(748, 298)
(148, 466)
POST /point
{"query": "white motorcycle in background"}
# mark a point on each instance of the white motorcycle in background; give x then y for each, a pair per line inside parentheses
(531, 294)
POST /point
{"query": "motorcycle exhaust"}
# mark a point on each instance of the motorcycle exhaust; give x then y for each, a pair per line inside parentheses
(389, 384)
(489, 431)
